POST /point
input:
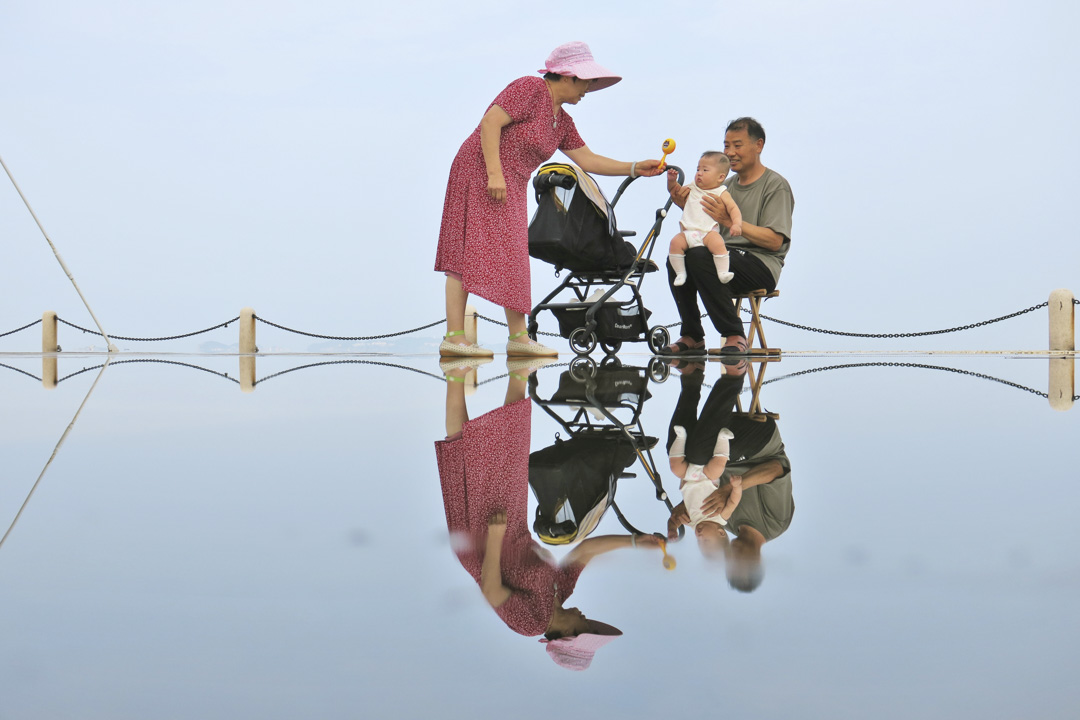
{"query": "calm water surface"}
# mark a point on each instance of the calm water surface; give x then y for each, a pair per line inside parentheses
(198, 552)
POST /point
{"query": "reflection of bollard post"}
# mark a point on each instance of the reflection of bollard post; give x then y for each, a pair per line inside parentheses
(470, 379)
(1062, 339)
(49, 344)
(470, 324)
(247, 350)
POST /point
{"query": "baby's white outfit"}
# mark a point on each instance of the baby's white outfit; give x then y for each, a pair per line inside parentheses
(695, 222)
(694, 493)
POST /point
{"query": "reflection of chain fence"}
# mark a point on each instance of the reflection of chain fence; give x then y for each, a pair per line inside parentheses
(349, 362)
(922, 366)
(149, 360)
(9, 367)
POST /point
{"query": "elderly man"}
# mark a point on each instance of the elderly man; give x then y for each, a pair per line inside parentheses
(764, 198)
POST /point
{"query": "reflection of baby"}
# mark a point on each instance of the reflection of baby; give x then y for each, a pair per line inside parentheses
(699, 482)
(697, 227)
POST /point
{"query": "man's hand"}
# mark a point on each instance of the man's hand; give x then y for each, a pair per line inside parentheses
(714, 208)
(724, 501)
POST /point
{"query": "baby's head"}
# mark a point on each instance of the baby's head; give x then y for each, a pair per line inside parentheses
(712, 540)
(712, 168)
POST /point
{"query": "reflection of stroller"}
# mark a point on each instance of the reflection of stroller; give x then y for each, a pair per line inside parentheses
(574, 480)
(574, 229)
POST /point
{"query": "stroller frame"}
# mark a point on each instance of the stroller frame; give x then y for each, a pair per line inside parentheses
(584, 339)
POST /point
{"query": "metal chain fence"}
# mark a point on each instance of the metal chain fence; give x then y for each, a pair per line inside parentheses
(150, 339)
(19, 329)
(357, 337)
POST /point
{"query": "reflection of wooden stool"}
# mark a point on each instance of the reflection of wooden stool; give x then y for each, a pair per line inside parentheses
(757, 379)
(754, 299)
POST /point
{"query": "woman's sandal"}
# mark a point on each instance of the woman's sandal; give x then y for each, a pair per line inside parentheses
(514, 348)
(448, 365)
(453, 349)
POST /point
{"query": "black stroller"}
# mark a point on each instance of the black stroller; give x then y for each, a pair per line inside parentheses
(574, 229)
(574, 480)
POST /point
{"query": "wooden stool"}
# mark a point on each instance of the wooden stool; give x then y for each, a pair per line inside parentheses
(754, 299)
(756, 379)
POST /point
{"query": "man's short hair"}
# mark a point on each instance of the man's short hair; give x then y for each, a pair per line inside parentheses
(716, 156)
(750, 125)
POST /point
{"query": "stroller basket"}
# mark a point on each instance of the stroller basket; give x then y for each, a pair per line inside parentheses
(614, 321)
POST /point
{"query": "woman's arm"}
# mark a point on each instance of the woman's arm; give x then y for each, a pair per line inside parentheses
(589, 161)
(491, 570)
(590, 548)
(494, 120)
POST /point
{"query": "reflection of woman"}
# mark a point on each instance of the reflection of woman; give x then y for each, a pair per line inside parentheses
(484, 470)
(483, 241)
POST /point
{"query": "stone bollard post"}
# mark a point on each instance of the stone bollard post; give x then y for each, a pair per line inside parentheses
(49, 346)
(1062, 386)
(470, 323)
(247, 350)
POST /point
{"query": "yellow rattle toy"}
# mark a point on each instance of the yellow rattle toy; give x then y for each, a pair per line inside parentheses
(667, 148)
(669, 561)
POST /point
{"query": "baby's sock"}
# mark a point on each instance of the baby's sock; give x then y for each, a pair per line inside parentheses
(678, 445)
(721, 262)
(678, 264)
(723, 447)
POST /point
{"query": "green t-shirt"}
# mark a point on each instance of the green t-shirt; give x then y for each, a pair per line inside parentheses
(767, 508)
(766, 202)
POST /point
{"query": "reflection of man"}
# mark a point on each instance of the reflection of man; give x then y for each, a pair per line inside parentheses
(761, 507)
(765, 200)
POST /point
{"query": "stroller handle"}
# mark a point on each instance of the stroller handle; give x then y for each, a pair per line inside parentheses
(547, 181)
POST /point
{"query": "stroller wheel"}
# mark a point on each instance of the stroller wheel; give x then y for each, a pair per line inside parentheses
(582, 368)
(610, 361)
(658, 370)
(658, 338)
(582, 342)
(611, 346)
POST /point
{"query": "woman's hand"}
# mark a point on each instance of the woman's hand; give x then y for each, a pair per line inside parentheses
(497, 522)
(647, 168)
(497, 187)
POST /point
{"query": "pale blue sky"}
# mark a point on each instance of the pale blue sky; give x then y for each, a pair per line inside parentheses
(191, 159)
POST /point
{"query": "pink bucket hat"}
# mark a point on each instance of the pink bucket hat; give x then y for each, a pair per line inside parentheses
(576, 653)
(575, 58)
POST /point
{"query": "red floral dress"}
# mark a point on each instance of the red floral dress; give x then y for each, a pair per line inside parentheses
(487, 469)
(486, 242)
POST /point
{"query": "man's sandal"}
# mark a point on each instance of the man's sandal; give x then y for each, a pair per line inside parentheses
(684, 349)
(739, 347)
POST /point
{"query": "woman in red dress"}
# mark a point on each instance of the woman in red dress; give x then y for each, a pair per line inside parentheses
(484, 237)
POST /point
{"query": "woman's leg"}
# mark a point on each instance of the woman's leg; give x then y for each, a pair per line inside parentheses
(456, 299)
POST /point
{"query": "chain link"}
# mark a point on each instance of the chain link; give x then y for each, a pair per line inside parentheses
(28, 325)
(150, 360)
(502, 324)
(153, 339)
(20, 371)
(359, 337)
(904, 335)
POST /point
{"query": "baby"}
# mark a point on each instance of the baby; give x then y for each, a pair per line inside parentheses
(697, 227)
(697, 486)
